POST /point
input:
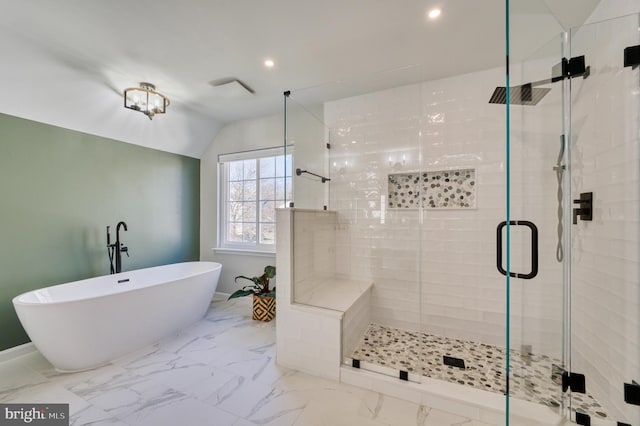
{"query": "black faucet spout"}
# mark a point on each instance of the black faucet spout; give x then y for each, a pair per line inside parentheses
(121, 223)
(120, 247)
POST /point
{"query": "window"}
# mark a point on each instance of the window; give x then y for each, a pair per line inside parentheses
(252, 185)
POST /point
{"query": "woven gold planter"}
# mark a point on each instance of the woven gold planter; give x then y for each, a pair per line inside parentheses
(264, 309)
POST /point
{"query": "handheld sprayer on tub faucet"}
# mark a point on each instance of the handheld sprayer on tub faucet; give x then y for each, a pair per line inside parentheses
(116, 249)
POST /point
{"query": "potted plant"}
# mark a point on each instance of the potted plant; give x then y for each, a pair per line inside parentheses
(264, 297)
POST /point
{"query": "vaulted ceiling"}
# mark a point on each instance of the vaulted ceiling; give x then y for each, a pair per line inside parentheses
(66, 62)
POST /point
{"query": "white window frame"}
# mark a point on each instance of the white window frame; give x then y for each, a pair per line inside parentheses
(225, 245)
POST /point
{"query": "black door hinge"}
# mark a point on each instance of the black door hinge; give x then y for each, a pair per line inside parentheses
(632, 56)
(569, 68)
(583, 419)
(574, 381)
(632, 393)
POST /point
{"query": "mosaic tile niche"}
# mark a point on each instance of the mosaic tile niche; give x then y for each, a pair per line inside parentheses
(443, 189)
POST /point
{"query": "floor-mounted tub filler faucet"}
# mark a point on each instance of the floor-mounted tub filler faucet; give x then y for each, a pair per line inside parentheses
(116, 249)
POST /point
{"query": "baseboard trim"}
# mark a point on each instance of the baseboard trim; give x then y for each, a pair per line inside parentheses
(17, 351)
(218, 295)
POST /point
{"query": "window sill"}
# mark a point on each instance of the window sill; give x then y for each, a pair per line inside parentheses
(243, 252)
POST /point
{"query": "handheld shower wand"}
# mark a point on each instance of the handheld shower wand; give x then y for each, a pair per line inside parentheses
(110, 252)
(559, 169)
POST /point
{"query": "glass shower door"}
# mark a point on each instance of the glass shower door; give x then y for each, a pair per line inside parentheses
(573, 162)
(605, 235)
(536, 218)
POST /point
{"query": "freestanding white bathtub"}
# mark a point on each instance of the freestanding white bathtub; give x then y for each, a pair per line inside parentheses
(86, 324)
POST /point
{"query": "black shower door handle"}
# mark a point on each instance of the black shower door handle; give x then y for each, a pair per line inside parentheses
(534, 249)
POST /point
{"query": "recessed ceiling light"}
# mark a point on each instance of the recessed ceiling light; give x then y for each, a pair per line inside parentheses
(269, 63)
(434, 13)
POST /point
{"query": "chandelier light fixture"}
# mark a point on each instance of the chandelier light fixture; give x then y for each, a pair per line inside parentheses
(146, 100)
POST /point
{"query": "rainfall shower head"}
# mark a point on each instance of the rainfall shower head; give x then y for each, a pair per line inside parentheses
(519, 95)
(531, 93)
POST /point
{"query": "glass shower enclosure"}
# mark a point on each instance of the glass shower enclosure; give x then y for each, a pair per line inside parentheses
(496, 216)
(574, 167)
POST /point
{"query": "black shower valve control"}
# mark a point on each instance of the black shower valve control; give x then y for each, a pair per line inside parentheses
(585, 211)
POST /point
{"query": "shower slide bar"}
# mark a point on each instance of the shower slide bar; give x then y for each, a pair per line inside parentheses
(300, 171)
(534, 249)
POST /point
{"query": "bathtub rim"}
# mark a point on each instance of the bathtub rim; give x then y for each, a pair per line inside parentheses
(17, 302)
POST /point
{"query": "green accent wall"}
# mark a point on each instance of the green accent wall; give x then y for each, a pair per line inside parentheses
(59, 189)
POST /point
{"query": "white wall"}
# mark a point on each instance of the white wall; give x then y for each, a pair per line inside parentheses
(265, 132)
(246, 135)
(609, 9)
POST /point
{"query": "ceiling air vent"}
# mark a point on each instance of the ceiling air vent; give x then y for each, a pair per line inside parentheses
(231, 88)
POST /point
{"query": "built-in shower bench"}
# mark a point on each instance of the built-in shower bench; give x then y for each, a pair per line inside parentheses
(320, 316)
(338, 294)
(315, 333)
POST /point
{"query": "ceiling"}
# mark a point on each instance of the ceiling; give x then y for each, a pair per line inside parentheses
(66, 62)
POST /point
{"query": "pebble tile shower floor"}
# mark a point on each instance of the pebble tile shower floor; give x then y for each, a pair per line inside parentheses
(534, 377)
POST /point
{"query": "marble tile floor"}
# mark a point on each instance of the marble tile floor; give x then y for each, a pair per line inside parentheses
(533, 377)
(220, 371)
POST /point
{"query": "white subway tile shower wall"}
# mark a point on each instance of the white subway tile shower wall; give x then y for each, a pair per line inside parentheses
(355, 323)
(435, 270)
(366, 249)
(314, 255)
